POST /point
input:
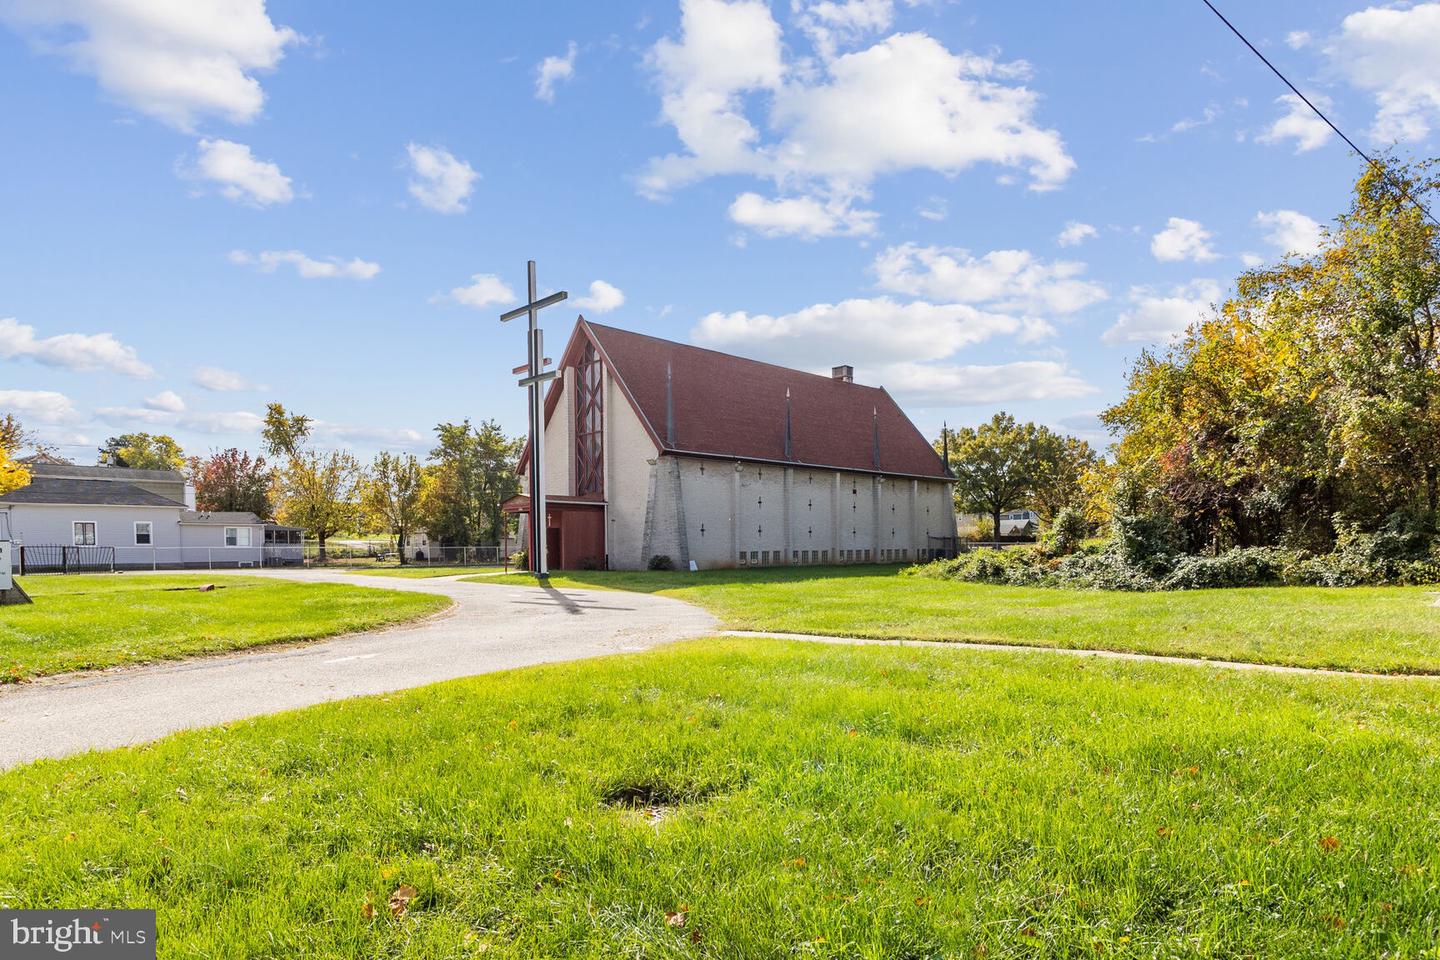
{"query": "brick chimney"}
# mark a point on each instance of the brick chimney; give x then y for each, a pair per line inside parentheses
(844, 373)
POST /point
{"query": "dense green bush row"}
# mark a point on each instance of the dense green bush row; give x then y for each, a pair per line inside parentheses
(1136, 558)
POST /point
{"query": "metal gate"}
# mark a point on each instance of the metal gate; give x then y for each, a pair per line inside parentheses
(55, 558)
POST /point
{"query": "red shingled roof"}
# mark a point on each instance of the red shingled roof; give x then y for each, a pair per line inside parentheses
(732, 407)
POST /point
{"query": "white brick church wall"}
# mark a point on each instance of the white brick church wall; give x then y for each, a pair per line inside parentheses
(714, 511)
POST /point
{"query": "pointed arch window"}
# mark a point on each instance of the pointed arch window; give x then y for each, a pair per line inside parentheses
(589, 425)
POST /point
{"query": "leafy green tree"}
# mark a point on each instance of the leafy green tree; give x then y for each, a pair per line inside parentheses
(317, 491)
(1057, 473)
(473, 473)
(392, 494)
(284, 433)
(142, 451)
(994, 466)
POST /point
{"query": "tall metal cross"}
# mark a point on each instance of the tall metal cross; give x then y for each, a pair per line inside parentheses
(534, 383)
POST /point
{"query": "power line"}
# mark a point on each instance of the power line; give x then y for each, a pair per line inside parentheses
(1319, 113)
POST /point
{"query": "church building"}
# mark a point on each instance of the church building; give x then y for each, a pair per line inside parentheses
(655, 448)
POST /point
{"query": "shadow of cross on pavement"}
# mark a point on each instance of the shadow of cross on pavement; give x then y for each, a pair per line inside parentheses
(570, 604)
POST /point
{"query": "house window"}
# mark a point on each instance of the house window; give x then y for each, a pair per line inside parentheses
(84, 533)
(589, 425)
(142, 533)
(237, 536)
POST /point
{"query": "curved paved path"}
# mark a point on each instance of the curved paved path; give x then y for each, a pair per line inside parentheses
(490, 627)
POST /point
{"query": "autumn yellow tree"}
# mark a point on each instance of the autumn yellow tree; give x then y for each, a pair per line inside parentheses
(13, 475)
(1310, 401)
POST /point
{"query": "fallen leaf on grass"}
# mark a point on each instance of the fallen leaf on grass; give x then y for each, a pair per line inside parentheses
(1329, 844)
(400, 899)
(675, 918)
(367, 910)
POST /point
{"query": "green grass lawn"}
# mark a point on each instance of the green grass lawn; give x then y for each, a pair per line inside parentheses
(1382, 629)
(420, 572)
(743, 798)
(88, 622)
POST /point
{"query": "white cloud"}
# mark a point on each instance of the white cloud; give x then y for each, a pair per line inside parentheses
(1390, 53)
(220, 380)
(206, 422)
(1008, 280)
(1291, 231)
(603, 298)
(908, 102)
(1156, 317)
(73, 351)
(439, 180)
(1251, 260)
(951, 384)
(386, 436)
(806, 217)
(329, 268)
(1297, 39)
(1299, 123)
(553, 70)
(166, 400)
(42, 406)
(831, 128)
(832, 23)
(936, 209)
(1209, 115)
(878, 330)
(485, 290)
(1076, 233)
(1182, 240)
(177, 60)
(241, 176)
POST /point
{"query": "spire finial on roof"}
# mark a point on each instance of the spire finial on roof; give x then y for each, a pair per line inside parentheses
(875, 436)
(669, 407)
(789, 436)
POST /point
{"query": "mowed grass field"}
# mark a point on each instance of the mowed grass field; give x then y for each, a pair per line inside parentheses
(1376, 629)
(88, 622)
(748, 798)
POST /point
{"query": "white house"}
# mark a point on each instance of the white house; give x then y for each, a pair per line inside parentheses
(78, 517)
(661, 448)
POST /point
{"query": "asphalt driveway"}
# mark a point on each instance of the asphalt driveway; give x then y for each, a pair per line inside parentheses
(489, 628)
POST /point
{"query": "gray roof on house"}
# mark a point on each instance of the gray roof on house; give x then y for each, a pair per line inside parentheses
(98, 493)
(74, 471)
(219, 517)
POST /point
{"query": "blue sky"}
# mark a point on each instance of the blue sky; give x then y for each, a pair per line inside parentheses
(211, 205)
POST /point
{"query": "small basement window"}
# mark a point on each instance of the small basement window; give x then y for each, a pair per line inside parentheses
(237, 536)
(143, 536)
